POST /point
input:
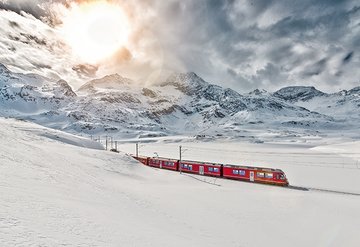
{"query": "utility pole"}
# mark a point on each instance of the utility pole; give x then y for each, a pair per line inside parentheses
(116, 146)
(180, 158)
(137, 150)
(106, 142)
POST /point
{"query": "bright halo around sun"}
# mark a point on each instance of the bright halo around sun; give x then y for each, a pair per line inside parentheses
(95, 30)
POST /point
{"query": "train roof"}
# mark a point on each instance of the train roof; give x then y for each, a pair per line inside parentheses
(264, 169)
(201, 162)
(139, 156)
(162, 158)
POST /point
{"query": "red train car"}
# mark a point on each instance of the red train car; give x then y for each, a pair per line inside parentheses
(244, 173)
(201, 168)
(142, 159)
(164, 163)
(255, 174)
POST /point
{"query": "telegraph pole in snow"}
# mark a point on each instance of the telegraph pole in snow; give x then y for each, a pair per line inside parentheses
(137, 150)
(180, 158)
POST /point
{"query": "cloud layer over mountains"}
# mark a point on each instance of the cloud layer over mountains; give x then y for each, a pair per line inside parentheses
(243, 44)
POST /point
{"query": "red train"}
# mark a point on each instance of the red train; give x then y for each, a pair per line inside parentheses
(244, 173)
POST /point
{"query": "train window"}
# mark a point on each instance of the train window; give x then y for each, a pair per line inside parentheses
(190, 167)
(282, 177)
(216, 169)
(235, 172)
(260, 174)
(241, 172)
(210, 169)
(269, 175)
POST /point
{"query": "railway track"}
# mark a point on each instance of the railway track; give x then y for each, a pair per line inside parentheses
(322, 190)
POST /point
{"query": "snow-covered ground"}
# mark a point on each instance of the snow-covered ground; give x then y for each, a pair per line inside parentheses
(60, 190)
(319, 163)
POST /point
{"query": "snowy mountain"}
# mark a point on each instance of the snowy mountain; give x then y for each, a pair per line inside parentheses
(182, 104)
(26, 94)
(298, 93)
(343, 105)
(115, 82)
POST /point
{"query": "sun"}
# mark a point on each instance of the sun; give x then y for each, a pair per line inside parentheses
(95, 30)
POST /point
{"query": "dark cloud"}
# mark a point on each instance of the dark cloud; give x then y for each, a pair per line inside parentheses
(315, 69)
(262, 43)
(348, 57)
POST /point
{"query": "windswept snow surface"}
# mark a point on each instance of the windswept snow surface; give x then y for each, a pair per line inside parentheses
(54, 192)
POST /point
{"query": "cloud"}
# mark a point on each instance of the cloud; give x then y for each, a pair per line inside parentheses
(243, 44)
(29, 45)
(258, 43)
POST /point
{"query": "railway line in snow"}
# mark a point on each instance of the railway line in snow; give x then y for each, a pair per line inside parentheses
(322, 190)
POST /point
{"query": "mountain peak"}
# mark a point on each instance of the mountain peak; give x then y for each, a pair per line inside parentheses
(3, 69)
(298, 93)
(65, 88)
(113, 81)
(259, 92)
(187, 83)
(355, 90)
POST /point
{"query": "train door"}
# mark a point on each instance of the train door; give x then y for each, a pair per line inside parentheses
(161, 163)
(252, 176)
(201, 170)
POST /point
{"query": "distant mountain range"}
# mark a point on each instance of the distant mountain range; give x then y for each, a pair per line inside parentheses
(182, 104)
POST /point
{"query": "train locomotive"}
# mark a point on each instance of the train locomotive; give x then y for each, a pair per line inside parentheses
(243, 173)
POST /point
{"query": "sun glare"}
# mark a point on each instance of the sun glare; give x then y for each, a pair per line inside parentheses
(95, 30)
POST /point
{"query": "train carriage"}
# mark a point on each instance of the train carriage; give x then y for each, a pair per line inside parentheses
(141, 159)
(164, 163)
(201, 168)
(255, 174)
(243, 173)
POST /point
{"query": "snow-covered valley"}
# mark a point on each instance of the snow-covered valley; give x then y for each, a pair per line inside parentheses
(61, 190)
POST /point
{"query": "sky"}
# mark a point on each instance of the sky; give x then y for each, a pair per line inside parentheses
(241, 44)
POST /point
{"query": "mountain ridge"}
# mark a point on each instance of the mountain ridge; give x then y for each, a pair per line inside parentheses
(183, 104)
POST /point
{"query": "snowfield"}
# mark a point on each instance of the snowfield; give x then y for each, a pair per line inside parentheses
(61, 190)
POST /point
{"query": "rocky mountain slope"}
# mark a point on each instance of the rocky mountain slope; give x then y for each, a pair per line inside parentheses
(343, 105)
(183, 104)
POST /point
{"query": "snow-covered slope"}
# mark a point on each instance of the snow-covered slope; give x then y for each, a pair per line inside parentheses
(343, 105)
(182, 104)
(56, 194)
